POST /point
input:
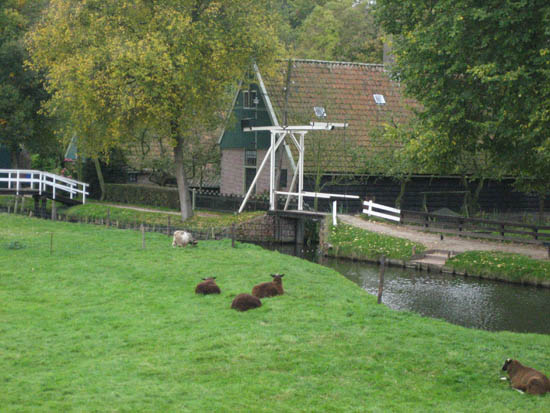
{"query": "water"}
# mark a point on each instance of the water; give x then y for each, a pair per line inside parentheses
(466, 301)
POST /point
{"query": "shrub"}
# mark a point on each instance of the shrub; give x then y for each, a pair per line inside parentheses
(143, 195)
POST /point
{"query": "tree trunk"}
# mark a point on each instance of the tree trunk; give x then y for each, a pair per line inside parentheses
(100, 178)
(183, 187)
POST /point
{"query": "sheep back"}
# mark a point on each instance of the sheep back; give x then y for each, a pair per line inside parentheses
(269, 289)
(183, 238)
(208, 286)
(526, 378)
(244, 302)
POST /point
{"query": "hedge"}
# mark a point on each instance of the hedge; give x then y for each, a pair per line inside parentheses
(142, 195)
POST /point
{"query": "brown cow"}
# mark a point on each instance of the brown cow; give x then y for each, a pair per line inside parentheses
(525, 378)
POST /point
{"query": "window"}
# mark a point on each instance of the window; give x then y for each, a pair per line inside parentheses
(250, 157)
(283, 179)
(379, 99)
(250, 99)
(249, 174)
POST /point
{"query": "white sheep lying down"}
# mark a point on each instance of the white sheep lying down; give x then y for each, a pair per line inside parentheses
(183, 238)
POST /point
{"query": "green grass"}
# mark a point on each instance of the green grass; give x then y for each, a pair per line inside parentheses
(98, 210)
(504, 266)
(101, 324)
(351, 242)
(201, 219)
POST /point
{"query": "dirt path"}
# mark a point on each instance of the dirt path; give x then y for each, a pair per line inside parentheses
(449, 243)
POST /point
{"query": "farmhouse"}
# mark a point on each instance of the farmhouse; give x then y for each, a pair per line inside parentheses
(301, 92)
(298, 92)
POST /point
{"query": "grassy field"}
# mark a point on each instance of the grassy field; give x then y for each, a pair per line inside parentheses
(96, 323)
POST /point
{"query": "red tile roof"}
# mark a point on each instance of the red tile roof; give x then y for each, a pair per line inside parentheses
(345, 90)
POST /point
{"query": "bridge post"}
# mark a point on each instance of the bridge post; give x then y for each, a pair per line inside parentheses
(300, 231)
(36, 205)
(44, 202)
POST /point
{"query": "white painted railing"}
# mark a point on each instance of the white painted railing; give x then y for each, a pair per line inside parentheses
(370, 206)
(28, 179)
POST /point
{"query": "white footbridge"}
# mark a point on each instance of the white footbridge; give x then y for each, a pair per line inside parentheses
(44, 185)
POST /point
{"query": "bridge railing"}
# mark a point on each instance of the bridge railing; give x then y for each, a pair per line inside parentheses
(29, 179)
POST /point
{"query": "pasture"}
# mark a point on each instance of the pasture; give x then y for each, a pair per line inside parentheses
(93, 322)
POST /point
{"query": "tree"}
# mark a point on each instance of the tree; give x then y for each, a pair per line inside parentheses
(480, 70)
(21, 126)
(340, 30)
(114, 67)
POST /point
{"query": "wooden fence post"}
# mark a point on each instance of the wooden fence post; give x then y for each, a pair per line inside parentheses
(381, 279)
(108, 217)
(142, 228)
(54, 211)
(51, 243)
(168, 229)
(233, 235)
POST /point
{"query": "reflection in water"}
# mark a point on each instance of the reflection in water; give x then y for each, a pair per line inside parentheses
(470, 302)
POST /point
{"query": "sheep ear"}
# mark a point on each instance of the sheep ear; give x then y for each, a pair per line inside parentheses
(203, 279)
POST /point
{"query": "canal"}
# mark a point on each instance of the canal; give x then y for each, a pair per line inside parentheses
(466, 301)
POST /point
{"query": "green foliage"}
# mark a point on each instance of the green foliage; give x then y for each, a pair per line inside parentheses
(116, 68)
(351, 242)
(480, 71)
(104, 324)
(503, 266)
(21, 89)
(340, 30)
(114, 171)
(143, 195)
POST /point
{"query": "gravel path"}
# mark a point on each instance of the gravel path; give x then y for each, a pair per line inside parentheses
(449, 243)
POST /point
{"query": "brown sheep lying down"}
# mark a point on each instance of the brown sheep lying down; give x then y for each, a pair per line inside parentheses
(525, 378)
(244, 302)
(208, 286)
(269, 289)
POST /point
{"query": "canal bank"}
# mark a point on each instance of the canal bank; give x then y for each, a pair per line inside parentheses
(363, 240)
(470, 302)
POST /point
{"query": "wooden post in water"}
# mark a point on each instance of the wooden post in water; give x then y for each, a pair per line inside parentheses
(381, 280)
(142, 228)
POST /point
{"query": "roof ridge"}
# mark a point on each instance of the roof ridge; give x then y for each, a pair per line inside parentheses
(329, 62)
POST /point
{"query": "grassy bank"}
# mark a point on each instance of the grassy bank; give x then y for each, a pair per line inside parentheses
(351, 242)
(360, 244)
(100, 324)
(503, 266)
(162, 216)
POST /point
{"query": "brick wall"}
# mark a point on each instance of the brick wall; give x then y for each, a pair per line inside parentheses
(267, 228)
(232, 172)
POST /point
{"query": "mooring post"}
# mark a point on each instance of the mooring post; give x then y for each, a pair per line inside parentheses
(381, 280)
